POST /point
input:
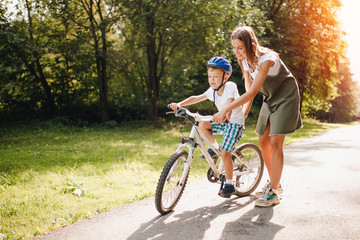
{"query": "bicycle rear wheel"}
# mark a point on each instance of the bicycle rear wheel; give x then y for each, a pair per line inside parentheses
(170, 187)
(247, 176)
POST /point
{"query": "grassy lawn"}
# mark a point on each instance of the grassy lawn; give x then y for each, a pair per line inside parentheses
(53, 175)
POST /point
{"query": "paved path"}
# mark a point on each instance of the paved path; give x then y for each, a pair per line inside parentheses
(321, 200)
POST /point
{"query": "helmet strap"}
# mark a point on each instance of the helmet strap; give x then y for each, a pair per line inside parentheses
(221, 85)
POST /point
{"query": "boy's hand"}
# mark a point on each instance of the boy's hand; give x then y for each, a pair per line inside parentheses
(174, 106)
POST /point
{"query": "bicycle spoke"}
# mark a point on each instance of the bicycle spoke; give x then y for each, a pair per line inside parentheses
(170, 187)
(248, 168)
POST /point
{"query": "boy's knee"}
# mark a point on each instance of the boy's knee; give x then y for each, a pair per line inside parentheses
(225, 155)
(205, 125)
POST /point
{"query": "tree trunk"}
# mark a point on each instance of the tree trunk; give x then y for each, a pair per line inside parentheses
(152, 89)
(100, 58)
(152, 79)
(49, 103)
(302, 81)
(39, 74)
(103, 81)
(103, 84)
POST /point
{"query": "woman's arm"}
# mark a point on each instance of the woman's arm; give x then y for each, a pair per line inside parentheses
(228, 114)
(250, 94)
(247, 105)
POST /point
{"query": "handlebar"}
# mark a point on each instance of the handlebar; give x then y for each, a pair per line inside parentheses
(183, 112)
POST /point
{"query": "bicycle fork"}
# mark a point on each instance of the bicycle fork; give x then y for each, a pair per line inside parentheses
(184, 143)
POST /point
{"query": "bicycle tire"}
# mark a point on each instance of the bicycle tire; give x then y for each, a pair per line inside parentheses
(169, 189)
(251, 155)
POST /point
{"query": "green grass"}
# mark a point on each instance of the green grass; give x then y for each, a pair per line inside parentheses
(54, 175)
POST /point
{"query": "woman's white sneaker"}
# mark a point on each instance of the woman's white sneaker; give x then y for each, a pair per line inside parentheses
(269, 198)
(266, 186)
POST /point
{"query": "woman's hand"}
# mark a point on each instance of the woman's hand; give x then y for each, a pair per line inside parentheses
(221, 116)
(228, 115)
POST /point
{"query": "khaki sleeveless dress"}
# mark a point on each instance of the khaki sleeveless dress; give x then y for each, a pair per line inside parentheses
(281, 104)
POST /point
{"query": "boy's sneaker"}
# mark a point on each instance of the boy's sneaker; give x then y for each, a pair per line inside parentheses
(268, 199)
(213, 155)
(227, 191)
(266, 186)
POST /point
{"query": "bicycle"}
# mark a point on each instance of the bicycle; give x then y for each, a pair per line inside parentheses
(247, 158)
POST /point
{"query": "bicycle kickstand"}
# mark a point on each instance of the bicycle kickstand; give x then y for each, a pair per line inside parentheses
(222, 177)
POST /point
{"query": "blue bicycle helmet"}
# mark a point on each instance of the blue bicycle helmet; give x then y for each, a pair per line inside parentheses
(220, 62)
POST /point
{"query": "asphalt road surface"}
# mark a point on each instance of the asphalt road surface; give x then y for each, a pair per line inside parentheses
(321, 200)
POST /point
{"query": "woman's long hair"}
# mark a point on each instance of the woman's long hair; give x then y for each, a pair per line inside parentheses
(253, 49)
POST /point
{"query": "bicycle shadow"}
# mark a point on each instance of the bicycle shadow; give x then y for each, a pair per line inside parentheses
(194, 224)
(255, 224)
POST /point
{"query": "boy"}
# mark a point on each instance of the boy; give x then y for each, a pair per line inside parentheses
(222, 93)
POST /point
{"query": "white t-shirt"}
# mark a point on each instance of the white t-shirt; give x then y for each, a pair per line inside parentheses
(230, 91)
(272, 56)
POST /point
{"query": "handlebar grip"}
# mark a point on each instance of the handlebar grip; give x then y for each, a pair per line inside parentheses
(181, 112)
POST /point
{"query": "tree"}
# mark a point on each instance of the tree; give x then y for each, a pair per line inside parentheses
(132, 57)
(157, 29)
(307, 35)
(63, 60)
(98, 17)
(70, 59)
(20, 39)
(345, 106)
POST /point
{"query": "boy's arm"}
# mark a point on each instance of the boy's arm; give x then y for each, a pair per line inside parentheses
(189, 101)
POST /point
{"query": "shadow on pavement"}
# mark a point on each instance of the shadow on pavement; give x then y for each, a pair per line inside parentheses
(194, 224)
(318, 146)
(254, 224)
(308, 154)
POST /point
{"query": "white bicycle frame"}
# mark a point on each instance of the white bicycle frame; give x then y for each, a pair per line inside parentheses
(198, 139)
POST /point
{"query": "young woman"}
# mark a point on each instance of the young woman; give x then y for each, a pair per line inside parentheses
(264, 72)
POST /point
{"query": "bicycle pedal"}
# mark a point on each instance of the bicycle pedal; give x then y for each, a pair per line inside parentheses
(225, 196)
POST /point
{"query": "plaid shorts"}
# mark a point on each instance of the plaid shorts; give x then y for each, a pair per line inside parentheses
(232, 134)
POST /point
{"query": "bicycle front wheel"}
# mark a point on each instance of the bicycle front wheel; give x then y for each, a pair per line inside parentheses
(170, 187)
(248, 168)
